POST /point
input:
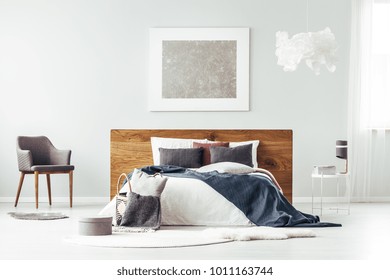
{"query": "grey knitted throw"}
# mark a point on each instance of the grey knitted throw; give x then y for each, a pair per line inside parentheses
(142, 211)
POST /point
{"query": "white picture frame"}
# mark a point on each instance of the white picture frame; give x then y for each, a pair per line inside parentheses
(198, 69)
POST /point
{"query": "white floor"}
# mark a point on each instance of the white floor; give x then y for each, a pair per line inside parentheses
(363, 236)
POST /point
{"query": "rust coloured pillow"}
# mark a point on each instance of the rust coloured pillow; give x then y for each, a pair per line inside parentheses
(206, 149)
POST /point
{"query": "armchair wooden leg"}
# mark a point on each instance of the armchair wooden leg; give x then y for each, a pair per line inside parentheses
(48, 187)
(71, 188)
(19, 188)
(36, 175)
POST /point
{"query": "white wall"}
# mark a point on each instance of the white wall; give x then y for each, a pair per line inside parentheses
(73, 70)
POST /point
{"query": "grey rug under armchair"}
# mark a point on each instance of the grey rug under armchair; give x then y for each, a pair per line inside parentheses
(37, 155)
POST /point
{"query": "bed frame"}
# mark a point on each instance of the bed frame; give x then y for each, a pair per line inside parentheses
(131, 148)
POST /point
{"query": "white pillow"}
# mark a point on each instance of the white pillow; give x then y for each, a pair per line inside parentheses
(227, 167)
(145, 184)
(170, 143)
(255, 144)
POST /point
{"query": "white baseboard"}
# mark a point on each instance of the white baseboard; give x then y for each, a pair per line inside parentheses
(317, 199)
(80, 199)
(307, 199)
(371, 199)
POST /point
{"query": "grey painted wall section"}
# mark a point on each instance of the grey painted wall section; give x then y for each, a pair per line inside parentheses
(72, 70)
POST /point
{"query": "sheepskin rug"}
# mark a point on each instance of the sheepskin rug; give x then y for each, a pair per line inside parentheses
(258, 233)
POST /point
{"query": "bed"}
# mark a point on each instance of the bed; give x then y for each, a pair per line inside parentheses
(261, 196)
(131, 148)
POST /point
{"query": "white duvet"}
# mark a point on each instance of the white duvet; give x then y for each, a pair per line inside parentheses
(186, 201)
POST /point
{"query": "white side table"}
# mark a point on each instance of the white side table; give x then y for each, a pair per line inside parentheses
(336, 177)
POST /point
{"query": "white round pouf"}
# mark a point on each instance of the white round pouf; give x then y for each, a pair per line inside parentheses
(98, 225)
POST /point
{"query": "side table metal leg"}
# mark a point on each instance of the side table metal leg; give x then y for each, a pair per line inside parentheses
(322, 182)
(312, 195)
(349, 190)
(338, 193)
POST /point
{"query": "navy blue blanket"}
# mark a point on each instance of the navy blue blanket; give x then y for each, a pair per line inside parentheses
(256, 196)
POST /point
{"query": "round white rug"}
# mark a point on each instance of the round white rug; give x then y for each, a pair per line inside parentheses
(157, 239)
(166, 238)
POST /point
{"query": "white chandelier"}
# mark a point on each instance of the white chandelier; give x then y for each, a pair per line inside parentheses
(315, 48)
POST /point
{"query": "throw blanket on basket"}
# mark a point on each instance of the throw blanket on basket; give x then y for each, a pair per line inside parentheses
(256, 196)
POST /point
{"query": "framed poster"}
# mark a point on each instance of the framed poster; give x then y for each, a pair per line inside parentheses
(199, 69)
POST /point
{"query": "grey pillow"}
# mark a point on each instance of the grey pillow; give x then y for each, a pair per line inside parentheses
(188, 158)
(147, 185)
(241, 154)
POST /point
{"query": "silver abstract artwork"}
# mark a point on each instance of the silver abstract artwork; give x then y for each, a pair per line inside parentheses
(199, 69)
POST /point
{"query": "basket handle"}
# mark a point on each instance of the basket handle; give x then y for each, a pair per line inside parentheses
(119, 180)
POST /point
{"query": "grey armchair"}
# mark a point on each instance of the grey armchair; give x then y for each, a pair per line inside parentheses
(37, 155)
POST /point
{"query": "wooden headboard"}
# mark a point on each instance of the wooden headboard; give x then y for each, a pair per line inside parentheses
(131, 148)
